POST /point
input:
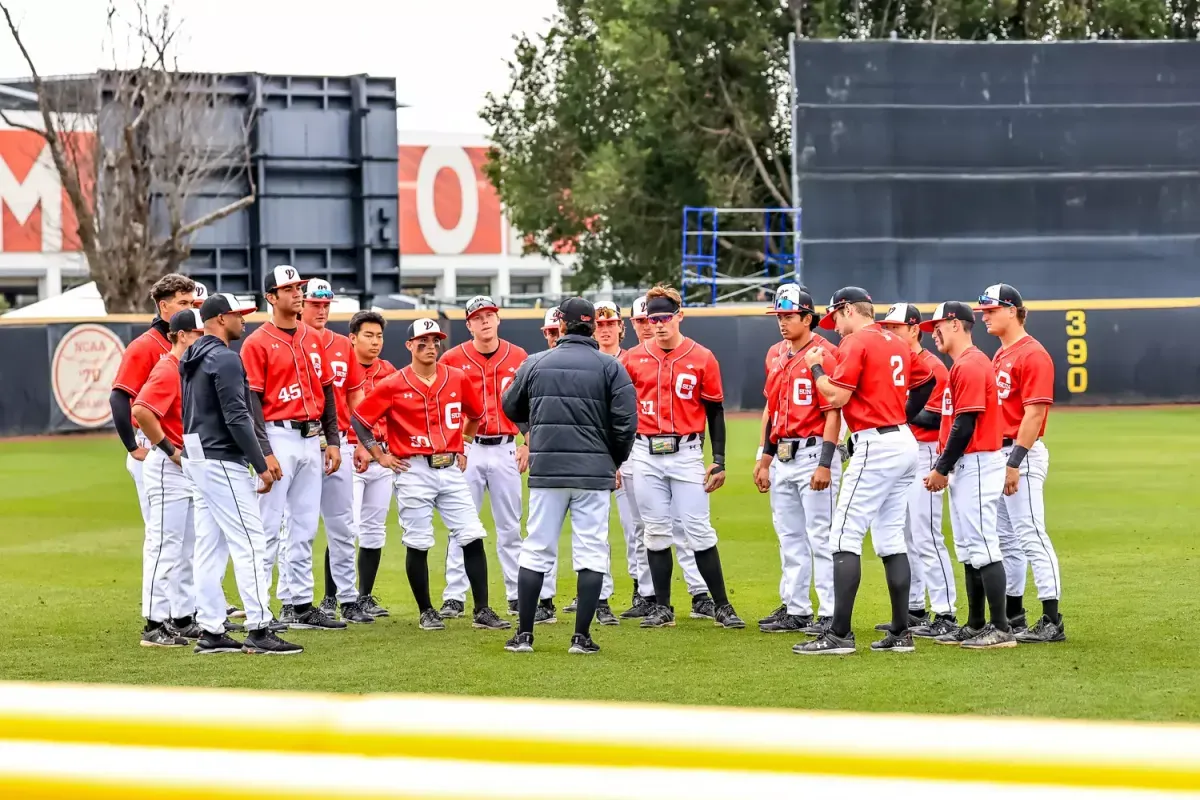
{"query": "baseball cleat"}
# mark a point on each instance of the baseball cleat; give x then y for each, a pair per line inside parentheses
(726, 617)
(276, 626)
(959, 636)
(431, 621)
(453, 609)
(330, 606)
(604, 614)
(521, 643)
(191, 632)
(353, 613)
(486, 618)
(1044, 631)
(162, 636)
(1017, 624)
(233, 612)
(640, 608)
(940, 626)
(317, 620)
(915, 619)
(583, 645)
(660, 617)
(703, 607)
(788, 623)
(774, 616)
(894, 643)
(572, 606)
(369, 604)
(819, 626)
(287, 614)
(990, 639)
(827, 644)
(512, 608)
(212, 644)
(545, 613)
(266, 643)
(233, 627)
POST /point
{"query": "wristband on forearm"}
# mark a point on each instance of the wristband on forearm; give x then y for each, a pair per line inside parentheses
(1017, 456)
(758, 454)
(827, 451)
(167, 448)
(817, 372)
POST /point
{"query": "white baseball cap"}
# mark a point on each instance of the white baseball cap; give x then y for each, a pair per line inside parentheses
(199, 294)
(639, 309)
(552, 317)
(318, 291)
(280, 276)
(607, 309)
(424, 327)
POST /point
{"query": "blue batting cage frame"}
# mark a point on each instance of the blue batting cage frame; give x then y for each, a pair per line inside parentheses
(703, 226)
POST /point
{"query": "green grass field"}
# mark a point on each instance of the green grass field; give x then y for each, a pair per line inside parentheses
(1119, 510)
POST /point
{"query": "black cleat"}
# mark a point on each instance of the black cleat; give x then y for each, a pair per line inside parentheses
(915, 620)
(640, 608)
(572, 606)
(788, 623)
(316, 620)
(453, 609)
(726, 617)
(287, 614)
(211, 644)
(369, 604)
(1043, 632)
(233, 627)
(604, 614)
(330, 606)
(703, 608)
(941, 625)
(190, 632)
(233, 612)
(1018, 623)
(521, 643)
(827, 644)
(774, 616)
(486, 619)
(266, 643)
(820, 626)
(660, 617)
(162, 636)
(431, 621)
(990, 639)
(277, 626)
(512, 608)
(353, 614)
(545, 613)
(583, 645)
(894, 643)
(959, 636)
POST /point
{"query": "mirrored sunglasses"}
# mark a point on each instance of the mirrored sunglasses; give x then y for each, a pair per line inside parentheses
(985, 300)
(660, 319)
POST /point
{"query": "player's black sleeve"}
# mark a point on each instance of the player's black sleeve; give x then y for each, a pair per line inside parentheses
(260, 424)
(516, 397)
(329, 420)
(365, 436)
(956, 444)
(120, 403)
(230, 382)
(930, 420)
(917, 398)
(769, 448)
(623, 413)
(523, 429)
(715, 412)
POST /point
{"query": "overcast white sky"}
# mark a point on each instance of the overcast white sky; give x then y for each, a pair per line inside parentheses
(445, 54)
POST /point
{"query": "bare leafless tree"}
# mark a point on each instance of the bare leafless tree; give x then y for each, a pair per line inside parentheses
(147, 154)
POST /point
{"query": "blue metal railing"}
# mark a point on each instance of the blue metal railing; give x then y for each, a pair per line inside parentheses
(780, 233)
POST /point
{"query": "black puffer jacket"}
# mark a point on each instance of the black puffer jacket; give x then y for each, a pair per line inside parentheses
(582, 414)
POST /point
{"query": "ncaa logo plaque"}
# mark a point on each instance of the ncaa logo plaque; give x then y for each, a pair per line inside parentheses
(82, 371)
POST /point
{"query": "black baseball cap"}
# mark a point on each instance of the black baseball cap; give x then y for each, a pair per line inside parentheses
(1000, 295)
(844, 296)
(186, 320)
(424, 327)
(480, 302)
(576, 309)
(280, 276)
(951, 310)
(224, 303)
(902, 314)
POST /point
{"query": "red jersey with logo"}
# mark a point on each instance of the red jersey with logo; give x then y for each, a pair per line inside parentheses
(797, 409)
(289, 370)
(162, 394)
(138, 359)
(672, 386)
(971, 386)
(1024, 377)
(422, 420)
(348, 374)
(877, 366)
(775, 352)
(372, 375)
(490, 376)
(928, 360)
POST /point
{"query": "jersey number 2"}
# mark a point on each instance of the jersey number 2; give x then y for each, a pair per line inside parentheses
(898, 371)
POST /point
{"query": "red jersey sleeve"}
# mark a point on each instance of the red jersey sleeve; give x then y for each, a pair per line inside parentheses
(710, 385)
(1037, 379)
(376, 404)
(851, 355)
(254, 360)
(829, 364)
(135, 367)
(159, 391)
(968, 390)
(919, 371)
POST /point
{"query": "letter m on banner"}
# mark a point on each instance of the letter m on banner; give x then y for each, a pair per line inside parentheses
(35, 214)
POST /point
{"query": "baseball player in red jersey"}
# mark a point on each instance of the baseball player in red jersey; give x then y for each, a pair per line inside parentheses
(800, 468)
(971, 463)
(292, 395)
(337, 488)
(870, 385)
(928, 559)
(644, 600)
(170, 293)
(168, 588)
(429, 409)
(1025, 380)
(678, 386)
(495, 460)
(372, 481)
(550, 327)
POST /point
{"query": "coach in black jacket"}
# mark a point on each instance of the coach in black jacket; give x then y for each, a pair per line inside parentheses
(582, 414)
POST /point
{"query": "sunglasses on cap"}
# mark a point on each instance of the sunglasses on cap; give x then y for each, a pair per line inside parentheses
(988, 300)
(320, 294)
(604, 312)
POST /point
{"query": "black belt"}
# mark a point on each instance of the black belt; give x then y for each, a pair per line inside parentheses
(682, 437)
(882, 429)
(307, 428)
(1011, 442)
(491, 441)
(811, 441)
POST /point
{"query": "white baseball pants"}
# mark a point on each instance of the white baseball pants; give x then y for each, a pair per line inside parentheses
(136, 469)
(168, 588)
(491, 469)
(802, 518)
(875, 492)
(422, 489)
(298, 494)
(635, 539)
(1024, 539)
(976, 486)
(548, 510)
(372, 499)
(928, 557)
(227, 525)
(337, 509)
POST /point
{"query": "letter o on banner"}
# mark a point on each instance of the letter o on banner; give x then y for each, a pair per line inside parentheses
(447, 241)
